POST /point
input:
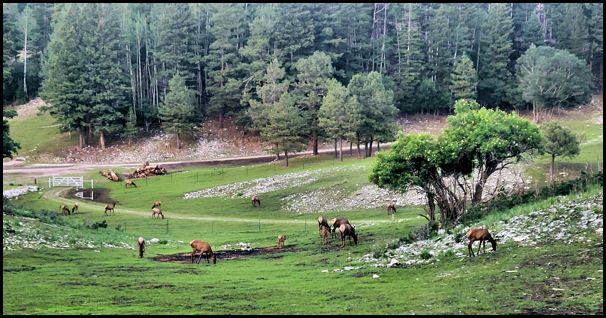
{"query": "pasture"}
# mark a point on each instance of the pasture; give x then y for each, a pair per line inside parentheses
(305, 277)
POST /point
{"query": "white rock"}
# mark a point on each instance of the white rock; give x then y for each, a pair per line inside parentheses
(154, 240)
(375, 276)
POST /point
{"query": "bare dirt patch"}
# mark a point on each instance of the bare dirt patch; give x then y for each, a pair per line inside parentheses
(185, 258)
(100, 195)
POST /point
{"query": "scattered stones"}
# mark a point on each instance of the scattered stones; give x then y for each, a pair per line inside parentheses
(375, 276)
(16, 192)
(154, 240)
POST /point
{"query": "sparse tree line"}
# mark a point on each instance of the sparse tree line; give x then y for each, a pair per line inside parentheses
(294, 72)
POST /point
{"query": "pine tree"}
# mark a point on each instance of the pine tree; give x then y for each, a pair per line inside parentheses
(29, 29)
(131, 129)
(463, 79)
(572, 31)
(596, 33)
(310, 88)
(285, 127)
(9, 145)
(339, 114)
(494, 78)
(178, 111)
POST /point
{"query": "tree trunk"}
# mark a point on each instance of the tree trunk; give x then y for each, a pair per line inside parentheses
(178, 142)
(365, 149)
(350, 148)
(315, 145)
(336, 148)
(432, 207)
(551, 167)
(359, 154)
(286, 156)
(25, 62)
(378, 146)
(101, 139)
(370, 148)
(341, 150)
(81, 137)
(278, 151)
(220, 119)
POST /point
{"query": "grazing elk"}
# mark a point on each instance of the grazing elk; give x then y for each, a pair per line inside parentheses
(324, 235)
(158, 212)
(347, 230)
(141, 244)
(255, 200)
(204, 249)
(481, 235)
(110, 207)
(281, 239)
(75, 208)
(322, 222)
(157, 204)
(336, 223)
(391, 207)
(129, 182)
(65, 209)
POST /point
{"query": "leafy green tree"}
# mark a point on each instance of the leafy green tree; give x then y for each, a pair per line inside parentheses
(178, 111)
(313, 73)
(477, 139)
(131, 129)
(9, 146)
(560, 141)
(286, 126)
(339, 114)
(550, 77)
(463, 80)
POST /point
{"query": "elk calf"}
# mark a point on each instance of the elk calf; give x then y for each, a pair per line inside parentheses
(391, 207)
(255, 200)
(157, 204)
(110, 207)
(158, 212)
(324, 235)
(481, 235)
(141, 244)
(281, 239)
(129, 182)
(204, 249)
(75, 208)
(65, 209)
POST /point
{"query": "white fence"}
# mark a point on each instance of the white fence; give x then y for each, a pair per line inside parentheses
(68, 182)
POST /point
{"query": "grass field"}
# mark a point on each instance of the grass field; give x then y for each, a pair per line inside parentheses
(306, 277)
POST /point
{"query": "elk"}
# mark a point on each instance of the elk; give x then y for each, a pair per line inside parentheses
(203, 248)
(336, 223)
(255, 199)
(129, 182)
(75, 208)
(347, 230)
(481, 235)
(65, 209)
(322, 222)
(391, 207)
(157, 204)
(324, 235)
(281, 239)
(110, 207)
(141, 244)
(157, 211)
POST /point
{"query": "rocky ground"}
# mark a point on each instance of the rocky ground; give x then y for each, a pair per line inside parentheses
(564, 222)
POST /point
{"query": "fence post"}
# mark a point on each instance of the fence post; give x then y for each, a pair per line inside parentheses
(92, 195)
(92, 185)
(49, 183)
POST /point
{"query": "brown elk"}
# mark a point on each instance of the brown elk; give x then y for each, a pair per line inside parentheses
(324, 235)
(157, 204)
(129, 182)
(110, 207)
(65, 209)
(75, 208)
(336, 223)
(391, 207)
(158, 212)
(281, 239)
(322, 222)
(347, 230)
(255, 199)
(141, 244)
(481, 235)
(204, 249)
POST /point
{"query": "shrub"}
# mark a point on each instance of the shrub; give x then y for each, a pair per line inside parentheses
(239, 194)
(425, 255)
(162, 242)
(447, 254)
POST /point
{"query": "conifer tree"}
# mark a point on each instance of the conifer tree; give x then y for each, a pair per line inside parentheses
(463, 79)
(131, 121)
(339, 114)
(178, 111)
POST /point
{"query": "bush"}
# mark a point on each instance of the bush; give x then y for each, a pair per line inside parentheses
(162, 242)
(447, 254)
(96, 225)
(425, 255)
